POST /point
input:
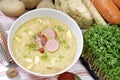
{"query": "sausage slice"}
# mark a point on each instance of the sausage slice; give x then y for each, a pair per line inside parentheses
(50, 33)
(52, 45)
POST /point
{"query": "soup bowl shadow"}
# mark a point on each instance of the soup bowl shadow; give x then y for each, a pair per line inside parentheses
(45, 12)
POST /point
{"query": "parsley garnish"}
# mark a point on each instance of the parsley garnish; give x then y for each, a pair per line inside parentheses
(31, 47)
(59, 28)
(44, 56)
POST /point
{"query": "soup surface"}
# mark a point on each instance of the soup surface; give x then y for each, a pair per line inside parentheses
(44, 45)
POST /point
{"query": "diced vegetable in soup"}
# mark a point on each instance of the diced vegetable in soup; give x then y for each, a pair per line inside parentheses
(44, 45)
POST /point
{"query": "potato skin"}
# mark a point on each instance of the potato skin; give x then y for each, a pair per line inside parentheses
(13, 8)
(46, 4)
(30, 4)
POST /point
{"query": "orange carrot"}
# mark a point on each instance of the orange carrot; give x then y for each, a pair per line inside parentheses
(108, 10)
(117, 2)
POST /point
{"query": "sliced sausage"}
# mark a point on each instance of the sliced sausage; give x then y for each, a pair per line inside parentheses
(42, 37)
(52, 45)
(38, 41)
(38, 35)
(42, 50)
(43, 40)
(50, 33)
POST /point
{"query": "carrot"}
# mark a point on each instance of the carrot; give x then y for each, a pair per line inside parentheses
(108, 10)
(117, 2)
(94, 12)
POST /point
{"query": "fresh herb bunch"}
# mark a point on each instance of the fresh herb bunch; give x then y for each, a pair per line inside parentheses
(102, 50)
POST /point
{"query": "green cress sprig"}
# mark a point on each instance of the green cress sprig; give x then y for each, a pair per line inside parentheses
(102, 46)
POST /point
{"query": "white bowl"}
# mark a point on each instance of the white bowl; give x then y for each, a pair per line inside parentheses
(49, 13)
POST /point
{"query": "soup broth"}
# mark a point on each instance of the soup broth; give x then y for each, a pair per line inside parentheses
(50, 57)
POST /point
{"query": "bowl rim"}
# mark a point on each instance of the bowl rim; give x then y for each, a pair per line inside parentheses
(39, 74)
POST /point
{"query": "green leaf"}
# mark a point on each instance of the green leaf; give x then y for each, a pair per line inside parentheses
(64, 43)
(34, 36)
(31, 47)
(76, 77)
(44, 56)
(59, 28)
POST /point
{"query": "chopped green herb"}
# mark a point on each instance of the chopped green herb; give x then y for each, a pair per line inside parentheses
(26, 30)
(25, 56)
(59, 28)
(67, 46)
(40, 21)
(34, 36)
(44, 56)
(64, 43)
(61, 57)
(31, 47)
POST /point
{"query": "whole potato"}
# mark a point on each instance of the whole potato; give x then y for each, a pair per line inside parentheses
(13, 8)
(46, 4)
(30, 4)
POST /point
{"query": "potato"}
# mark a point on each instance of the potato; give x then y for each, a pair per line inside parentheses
(46, 4)
(13, 8)
(30, 4)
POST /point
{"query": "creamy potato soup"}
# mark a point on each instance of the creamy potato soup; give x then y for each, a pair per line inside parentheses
(44, 45)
